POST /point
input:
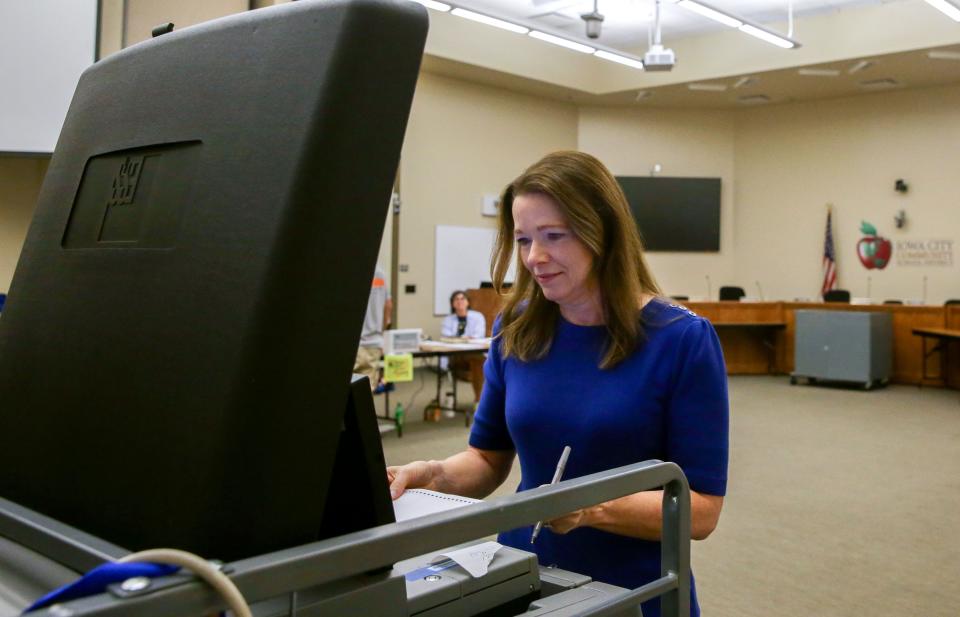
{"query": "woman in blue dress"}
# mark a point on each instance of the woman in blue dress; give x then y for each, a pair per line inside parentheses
(588, 354)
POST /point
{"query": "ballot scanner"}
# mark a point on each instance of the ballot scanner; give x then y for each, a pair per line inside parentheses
(364, 573)
(177, 343)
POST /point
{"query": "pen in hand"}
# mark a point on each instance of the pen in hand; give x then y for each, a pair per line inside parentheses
(556, 478)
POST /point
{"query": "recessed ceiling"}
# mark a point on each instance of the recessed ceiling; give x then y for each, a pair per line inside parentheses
(627, 22)
(857, 76)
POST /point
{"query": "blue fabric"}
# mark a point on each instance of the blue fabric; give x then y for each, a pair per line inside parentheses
(667, 401)
(95, 581)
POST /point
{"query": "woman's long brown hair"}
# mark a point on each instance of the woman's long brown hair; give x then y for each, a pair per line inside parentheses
(597, 213)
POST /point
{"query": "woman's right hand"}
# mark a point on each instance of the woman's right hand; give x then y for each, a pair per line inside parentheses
(418, 474)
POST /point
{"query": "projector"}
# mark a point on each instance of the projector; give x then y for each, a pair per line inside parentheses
(659, 59)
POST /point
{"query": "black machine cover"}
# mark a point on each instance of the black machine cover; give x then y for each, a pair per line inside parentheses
(177, 345)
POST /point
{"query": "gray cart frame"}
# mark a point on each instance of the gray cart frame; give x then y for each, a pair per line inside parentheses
(284, 572)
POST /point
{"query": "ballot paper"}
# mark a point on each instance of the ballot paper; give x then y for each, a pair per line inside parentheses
(474, 559)
(421, 502)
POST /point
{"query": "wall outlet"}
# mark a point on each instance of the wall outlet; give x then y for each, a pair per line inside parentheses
(491, 205)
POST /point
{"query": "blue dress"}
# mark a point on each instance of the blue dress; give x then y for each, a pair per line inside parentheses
(667, 400)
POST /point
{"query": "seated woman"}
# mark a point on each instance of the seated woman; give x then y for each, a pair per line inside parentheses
(464, 323)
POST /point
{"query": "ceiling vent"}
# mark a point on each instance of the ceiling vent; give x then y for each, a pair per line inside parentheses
(754, 99)
(879, 84)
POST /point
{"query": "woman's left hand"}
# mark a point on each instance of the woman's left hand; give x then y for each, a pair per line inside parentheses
(566, 523)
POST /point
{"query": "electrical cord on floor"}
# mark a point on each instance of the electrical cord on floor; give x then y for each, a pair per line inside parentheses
(201, 568)
(413, 397)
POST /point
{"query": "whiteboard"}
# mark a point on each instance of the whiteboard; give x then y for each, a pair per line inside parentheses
(44, 47)
(462, 261)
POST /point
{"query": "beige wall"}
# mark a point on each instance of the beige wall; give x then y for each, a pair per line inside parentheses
(144, 15)
(463, 141)
(793, 159)
(779, 166)
(684, 143)
(20, 180)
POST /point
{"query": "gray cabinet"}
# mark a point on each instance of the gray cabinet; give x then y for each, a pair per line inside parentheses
(843, 346)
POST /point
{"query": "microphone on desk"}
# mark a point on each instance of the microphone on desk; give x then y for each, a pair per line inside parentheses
(709, 291)
(759, 290)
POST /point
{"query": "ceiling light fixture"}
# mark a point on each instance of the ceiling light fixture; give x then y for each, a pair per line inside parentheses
(707, 87)
(522, 27)
(562, 42)
(745, 81)
(770, 37)
(943, 54)
(612, 57)
(733, 21)
(643, 94)
(860, 66)
(490, 21)
(819, 72)
(947, 7)
(433, 4)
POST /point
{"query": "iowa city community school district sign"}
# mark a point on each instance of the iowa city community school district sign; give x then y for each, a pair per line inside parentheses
(876, 252)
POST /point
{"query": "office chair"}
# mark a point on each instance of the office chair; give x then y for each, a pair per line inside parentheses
(952, 301)
(732, 293)
(893, 301)
(837, 295)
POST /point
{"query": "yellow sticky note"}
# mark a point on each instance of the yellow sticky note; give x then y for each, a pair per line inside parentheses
(398, 367)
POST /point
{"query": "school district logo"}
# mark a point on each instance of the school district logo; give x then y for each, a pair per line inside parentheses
(873, 250)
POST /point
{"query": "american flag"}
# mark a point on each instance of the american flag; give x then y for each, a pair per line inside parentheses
(829, 259)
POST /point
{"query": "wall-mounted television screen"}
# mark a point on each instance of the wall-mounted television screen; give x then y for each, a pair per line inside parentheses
(675, 214)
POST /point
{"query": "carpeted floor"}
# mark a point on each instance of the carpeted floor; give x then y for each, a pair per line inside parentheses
(840, 502)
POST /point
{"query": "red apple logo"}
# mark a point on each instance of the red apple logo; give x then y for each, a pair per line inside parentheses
(873, 250)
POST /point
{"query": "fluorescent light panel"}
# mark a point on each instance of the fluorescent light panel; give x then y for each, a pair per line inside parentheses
(819, 72)
(735, 22)
(949, 9)
(766, 35)
(707, 87)
(489, 21)
(943, 54)
(433, 4)
(745, 81)
(536, 34)
(860, 66)
(562, 42)
(606, 55)
(710, 13)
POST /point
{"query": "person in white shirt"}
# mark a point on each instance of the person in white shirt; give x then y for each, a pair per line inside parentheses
(462, 322)
(376, 319)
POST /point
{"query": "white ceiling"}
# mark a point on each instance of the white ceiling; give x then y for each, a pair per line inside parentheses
(889, 41)
(627, 22)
